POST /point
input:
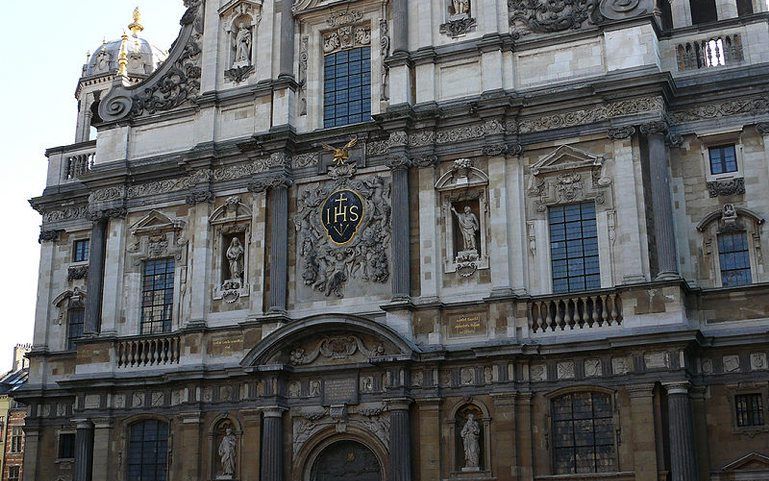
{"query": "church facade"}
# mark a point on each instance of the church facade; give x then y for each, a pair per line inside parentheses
(410, 240)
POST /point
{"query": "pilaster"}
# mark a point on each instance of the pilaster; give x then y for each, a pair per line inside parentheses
(401, 257)
(682, 14)
(726, 9)
(504, 447)
(524, 437)
(189, 442)
(644, 440)
(199, 272)
(44, 285)
(252, 430)
(683, 459)
(429, 244)
(499, 253)
(84, 439)
(429, 452)
(102, 464)
(114, 250)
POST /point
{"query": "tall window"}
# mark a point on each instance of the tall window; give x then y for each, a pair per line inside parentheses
(744, 7)
(723, 159)
(347, 87)
(157, 296)
(703, 11)
(67, 446)
(75, 324)
(17, 439)
(14, 473)
(734, 259)
(583, 434)
(750, 410)
(574, 248)
(148, 451)
(80, 250)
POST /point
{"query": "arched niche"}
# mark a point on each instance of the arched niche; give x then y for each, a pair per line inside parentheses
(328, 441)
(469, 422)
(225, 435)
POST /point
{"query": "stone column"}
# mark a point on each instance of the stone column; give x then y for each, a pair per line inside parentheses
(272, 444)
(84, 450)
(95, 285)
(286, 39)
(400, 219)
(683, 459)
(659, 186)
(400, 440)
(32, 447)
(400, 36)
(644, 439)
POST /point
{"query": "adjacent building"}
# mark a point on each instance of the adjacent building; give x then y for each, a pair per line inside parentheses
(12, 415)
(411, 240)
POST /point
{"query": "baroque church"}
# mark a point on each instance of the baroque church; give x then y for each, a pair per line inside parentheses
(411, 240)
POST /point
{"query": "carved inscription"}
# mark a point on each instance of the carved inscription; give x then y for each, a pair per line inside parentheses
(340, 391)
(469, 325)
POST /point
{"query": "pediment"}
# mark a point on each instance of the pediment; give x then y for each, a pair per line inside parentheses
(333, 349)
(463, 174)
(243, 6)
(156, 222)
(567, 158)
(750, 462)
(233, 210)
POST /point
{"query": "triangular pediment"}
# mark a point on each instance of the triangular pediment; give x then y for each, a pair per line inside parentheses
(567, 158)
(242, 6)
(156, 222)
(750, 462)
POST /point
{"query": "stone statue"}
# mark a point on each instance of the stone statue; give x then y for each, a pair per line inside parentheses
(103, 61)
(243, 47)
(235, 256)
(227, 452)
(460, 8)
(468, 225)
(470, 438)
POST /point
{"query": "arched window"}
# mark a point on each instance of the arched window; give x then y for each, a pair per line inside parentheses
(583, 433)
(148, 451)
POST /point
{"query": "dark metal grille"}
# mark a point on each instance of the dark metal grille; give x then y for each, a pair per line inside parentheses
(750, 410)
(157, 296)
(148, 451)
(347, 87)
(583, 434)
(574, 248)
(75, 323)
(734, 258)
(67, 446)
(81, 250)
(723, 159)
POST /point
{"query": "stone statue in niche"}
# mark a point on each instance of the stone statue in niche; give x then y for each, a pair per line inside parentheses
(459, 9)
(227, 453)
(459, 21)
(468, 226)
(471, 433)
(242, 45)
(466, 235)
(235, 257)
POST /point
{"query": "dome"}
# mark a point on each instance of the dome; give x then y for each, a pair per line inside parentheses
(142, 56)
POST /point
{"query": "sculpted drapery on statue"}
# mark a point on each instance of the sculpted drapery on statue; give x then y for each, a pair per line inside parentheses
(243, 47)
(470, 434)
(235, 257)
(469, 226)
(227, 453)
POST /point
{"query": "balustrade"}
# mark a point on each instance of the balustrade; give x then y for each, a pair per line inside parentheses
(152, 351)
(575, 312)
(716, 51)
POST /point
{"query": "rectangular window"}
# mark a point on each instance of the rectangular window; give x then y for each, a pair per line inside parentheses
(17, 439)
(583, 434)
(734, 258)
(744, 7)
(347, 87)
(67, 446)
(703, 11)
(574, 248)
(750, 410)
(157, 296)
(75, 324)
(14, 473)
(723, 159)
(81, 250)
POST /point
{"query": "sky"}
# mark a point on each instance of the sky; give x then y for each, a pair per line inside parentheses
(42, 56)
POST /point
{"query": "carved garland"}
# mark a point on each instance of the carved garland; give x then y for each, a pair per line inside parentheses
(536, 17)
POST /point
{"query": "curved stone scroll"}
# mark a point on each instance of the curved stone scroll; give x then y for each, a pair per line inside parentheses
(536, 17)
(175, 83)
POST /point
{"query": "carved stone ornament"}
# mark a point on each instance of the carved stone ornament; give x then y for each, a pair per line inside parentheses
(371, 418)
(76, 273)
(231, 222)
(63, 214)
(175, 83)
(622, 133)
(353, 211)
(336, 348)
(49, 236)
(238, 74)
(241, 19)
(458, 27)
(742, 106)
(726, 188)
(157, 235)
(263, 184)
(568, 175)
(536, 17)
(199, 196)
(67, 300)
(345, 36)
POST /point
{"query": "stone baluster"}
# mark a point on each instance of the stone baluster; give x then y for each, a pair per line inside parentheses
(662, 206)
(683, 458)
(83, 450)
(401, 257)
(271, 468)
(400, 440)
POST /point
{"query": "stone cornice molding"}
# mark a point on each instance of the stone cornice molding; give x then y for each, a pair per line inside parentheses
(49, 235)
(275, 181)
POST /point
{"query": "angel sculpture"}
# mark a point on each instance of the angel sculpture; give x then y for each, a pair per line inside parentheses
(341, 154)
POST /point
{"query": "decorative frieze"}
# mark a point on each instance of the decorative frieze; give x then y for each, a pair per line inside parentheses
(534, 17)
(725, 188)
(49, 236)
(744, 106)
(76, 273)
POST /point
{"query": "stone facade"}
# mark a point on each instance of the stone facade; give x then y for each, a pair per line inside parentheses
(272, 295)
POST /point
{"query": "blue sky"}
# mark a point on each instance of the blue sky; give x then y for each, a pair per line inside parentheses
(43, 49)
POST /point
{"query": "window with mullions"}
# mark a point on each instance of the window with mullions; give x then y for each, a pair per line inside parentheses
(347, 87)
(80, 250)
(148, 451)
(67, 446)
(75, 324)
(723, 159)
(583, 434)
(17, 439)
(157, 296)
(574, 248)
(14, 473)
(734, 259)
(749, 410)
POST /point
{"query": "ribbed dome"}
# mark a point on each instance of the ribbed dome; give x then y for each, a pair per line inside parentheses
(143, 57)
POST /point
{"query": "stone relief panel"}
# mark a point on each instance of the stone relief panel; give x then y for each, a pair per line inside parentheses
(240, 20)
(343, 233)
(464, 207)
(335, 350)
(231, 225)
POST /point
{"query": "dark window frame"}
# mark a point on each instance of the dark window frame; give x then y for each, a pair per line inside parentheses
(17, 440)
(749, 410)
(598, 419)
(347, 87)
(720, 164)
(81, 250)
(14, 473)
(574, 256)
(703, 11)
(734, 259)
(75, 325)
(147, 458)
(66, 446)
(157, 303)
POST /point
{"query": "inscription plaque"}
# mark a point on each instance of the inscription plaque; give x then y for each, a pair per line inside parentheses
(467, 325)
(343, 390)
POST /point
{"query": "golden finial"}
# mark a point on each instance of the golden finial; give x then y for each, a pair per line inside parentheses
(122, 61)
(136, 26)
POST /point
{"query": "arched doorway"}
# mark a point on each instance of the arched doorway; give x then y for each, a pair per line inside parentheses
(346, 461)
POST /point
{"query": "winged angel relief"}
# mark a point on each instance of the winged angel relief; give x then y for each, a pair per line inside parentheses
(328, 262)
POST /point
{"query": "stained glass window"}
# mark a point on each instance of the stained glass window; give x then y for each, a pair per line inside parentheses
(347, 87)
(574, 248)
(148, 451)
(583, 434)
(157, 296)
